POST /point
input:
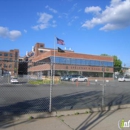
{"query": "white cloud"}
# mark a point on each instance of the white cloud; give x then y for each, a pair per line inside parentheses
(51, 9)
(43, 21)
(25, 30)
(53, 21)
(74, 18)
(79, 10)
(115, 16)
(115, 2)
(14, 34)
(93, 9)
(44, 17)
(73, 8)
(6, 33)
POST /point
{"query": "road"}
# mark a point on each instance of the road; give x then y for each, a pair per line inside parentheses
(26, 98)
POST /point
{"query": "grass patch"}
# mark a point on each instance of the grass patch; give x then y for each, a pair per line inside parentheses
(31, 117)
(38, 82)
(77, 113)
(86, 112)
(60, 115)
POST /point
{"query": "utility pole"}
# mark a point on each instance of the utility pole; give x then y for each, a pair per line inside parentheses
(51, 84)
(103, 89)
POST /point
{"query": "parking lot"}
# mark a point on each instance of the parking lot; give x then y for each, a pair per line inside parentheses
(26, 98)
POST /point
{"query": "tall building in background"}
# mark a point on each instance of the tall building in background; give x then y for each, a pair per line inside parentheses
(9, 62)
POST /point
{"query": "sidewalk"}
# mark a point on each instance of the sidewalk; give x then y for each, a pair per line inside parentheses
(107, 120)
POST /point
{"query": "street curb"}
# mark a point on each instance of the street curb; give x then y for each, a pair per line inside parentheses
(69, 112)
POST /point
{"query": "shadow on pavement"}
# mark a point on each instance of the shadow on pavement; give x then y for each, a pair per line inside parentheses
(94, 120)
(78, 100)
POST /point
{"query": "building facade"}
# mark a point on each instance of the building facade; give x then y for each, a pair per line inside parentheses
(9, 62)
(22, 66)
(68, 62)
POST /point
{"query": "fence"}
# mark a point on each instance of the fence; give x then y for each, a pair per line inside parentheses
(38, 90)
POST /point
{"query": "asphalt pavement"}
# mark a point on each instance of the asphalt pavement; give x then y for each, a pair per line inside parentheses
(20, 99)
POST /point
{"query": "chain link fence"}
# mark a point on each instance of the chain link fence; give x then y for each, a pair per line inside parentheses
(43, 87)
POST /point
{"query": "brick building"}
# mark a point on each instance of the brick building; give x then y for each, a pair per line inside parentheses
(68, 62)
(9, 62)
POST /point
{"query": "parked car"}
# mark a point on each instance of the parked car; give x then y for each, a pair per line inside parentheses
(79, 78)
(67, 77)
(14, 80)
(124, 78)
(62, 78)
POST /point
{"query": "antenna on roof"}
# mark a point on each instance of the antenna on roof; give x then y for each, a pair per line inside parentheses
(27, 54)
(32, 48)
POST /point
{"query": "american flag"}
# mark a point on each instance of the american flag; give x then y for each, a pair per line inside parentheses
(60, 41)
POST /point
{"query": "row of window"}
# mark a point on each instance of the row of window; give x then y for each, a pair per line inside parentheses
(72, 61)
(6, 59)
(6, 54)
(6, 66)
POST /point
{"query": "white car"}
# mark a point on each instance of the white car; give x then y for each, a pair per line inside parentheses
(14, 80)
(124, 78)
(79, 78)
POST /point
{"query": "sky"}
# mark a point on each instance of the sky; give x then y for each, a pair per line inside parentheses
(87, 26)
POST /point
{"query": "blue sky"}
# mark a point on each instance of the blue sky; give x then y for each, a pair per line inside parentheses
(87, 26)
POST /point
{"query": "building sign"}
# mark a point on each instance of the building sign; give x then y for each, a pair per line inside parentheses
(85, 68)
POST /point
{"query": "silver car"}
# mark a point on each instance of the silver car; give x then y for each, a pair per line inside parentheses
(14, 80)
(124, 78)
(79, 78)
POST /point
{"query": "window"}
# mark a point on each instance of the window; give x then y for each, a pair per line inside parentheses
(104, 63)
(11, 55)
(92, 62)
(73, 61)
(63, 60)
(10, 59)
(67, 60)
(110, 64)
(101, 63)
(41, 51)
(88, 62)
(16, 55)
(0, 54)
(97, 63)
(5, 59)
(57, 60)
(5, 54)
(10, 66)
(82, 62)
(5, 66)
(77, 61)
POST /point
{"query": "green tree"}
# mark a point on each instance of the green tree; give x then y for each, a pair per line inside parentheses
(104, 55)
(117, 64)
